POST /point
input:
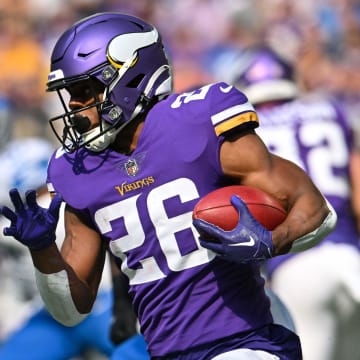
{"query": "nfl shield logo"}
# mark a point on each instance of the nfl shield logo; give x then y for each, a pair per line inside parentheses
(131, 167)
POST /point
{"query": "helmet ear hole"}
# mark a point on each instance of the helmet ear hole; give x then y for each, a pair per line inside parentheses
(134, 83)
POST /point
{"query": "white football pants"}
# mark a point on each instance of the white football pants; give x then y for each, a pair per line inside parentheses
(321, 289)
(246, 354)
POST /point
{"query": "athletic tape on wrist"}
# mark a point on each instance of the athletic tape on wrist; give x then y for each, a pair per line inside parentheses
(313, 238)
(56, 295)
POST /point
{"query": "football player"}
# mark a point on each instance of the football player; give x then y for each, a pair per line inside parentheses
(135, 159)
(313, 131)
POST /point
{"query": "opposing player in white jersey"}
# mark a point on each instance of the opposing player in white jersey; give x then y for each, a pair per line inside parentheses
(320, 287)
(134, 161)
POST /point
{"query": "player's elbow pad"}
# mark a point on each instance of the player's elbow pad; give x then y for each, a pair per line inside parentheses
(313, 238)
(56, 295)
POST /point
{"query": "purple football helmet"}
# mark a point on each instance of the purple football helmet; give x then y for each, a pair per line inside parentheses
(125, 58)
(264, 76)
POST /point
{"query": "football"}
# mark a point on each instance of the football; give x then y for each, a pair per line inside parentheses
(217, 209)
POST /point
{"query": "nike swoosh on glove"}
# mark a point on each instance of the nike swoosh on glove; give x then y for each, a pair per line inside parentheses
(249, 241)
(31, 224)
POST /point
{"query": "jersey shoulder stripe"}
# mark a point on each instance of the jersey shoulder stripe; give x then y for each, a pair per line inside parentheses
(233, 117)
(230, 109)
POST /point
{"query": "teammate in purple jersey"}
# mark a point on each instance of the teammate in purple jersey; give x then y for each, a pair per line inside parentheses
(134, 161)
(312, 131)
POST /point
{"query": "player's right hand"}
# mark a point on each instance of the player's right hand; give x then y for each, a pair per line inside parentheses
(31, 224)
(248, 242)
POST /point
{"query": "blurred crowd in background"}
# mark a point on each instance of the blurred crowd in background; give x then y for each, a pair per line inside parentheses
(320, 38)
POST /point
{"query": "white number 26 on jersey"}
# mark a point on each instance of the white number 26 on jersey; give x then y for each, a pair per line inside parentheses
(165, 227)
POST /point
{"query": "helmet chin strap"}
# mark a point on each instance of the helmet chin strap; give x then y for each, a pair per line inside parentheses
(101, 140)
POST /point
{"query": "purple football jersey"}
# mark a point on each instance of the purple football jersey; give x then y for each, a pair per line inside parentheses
(313, 133)
(142, 205)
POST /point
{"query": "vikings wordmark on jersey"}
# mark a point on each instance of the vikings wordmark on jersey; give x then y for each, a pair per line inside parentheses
(148, 225)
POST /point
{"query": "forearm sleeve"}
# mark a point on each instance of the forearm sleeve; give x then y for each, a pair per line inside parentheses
(313, 238)
(56, 295)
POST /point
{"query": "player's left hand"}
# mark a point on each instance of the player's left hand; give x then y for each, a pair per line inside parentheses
(249, 241)
(31, 224)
